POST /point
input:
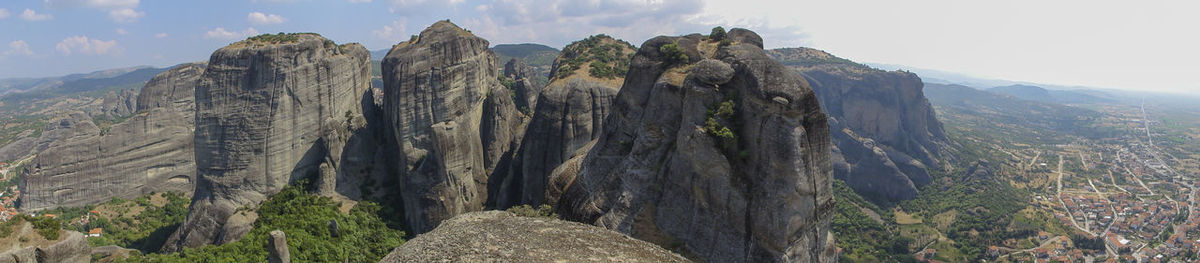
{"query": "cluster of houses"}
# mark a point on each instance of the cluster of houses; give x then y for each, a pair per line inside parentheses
(8, 207)
(1091, 212)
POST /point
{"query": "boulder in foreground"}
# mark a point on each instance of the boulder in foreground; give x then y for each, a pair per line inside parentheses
(498, 236)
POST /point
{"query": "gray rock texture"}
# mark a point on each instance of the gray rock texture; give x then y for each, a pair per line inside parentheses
(111, 253)
(166, 90)
(524, 87)
(71, 247)
(277, 248)
(498, 236)
(149, 152)
(570, 113)
(661, 172)
(268, 114)
(885, 131)
(451, 119)
(62, 128)
(117, 104)
(17, 149)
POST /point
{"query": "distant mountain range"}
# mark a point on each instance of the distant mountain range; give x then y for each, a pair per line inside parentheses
(1036, 93)
(10, 85)
(947, 77)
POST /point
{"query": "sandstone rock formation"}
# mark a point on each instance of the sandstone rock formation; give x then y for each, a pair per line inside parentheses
(498, 236)
(17, 149)
(270, 110)
(71, 247)
(149, 152)
(452, 121)
(523, 86)
(66, 127)
(722, 154)
(885, 131)
(117, 104)
(277, 248)
(570, 113)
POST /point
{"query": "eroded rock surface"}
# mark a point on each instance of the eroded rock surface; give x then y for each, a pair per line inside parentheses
(149, 152)
(71, 247)
(885, 131)
(498, 236)
(452, 120)
(268, 114)
(116, 104)
(570, 113)
(524, 87)
(747, 182)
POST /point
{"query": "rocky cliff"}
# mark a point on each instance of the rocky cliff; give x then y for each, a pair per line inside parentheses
(270, 110)
(498, 236)
(452, 120)
(885, 132)
(149, 152)
(524, 88)
(570, 113)
(714, 149)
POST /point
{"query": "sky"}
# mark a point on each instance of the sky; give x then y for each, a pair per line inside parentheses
(1137, 45)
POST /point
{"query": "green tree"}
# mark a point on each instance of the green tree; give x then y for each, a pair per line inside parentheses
(673, 54)
(718, 34)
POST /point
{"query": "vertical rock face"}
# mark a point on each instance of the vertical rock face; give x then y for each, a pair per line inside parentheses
(886, 132)
(570, 113)
(440, 87)
(168, 90)
(525, 89)
(277, 248)
(725, 152)
(149, 152)
(270, 110)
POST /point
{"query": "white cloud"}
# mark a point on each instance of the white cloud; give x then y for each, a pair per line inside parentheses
(125, 15)
(393, 33)
(122, 31)
(359, 1)
(114, 4)
(260, 18)
(18, 47)
(30, 15)
(4, 13)
(86, 46)
(221, 33)
(422, 7)
(160, 35)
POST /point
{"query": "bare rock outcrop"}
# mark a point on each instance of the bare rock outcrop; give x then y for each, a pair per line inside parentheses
(167, 90)
(498, 236)
(452, 120)
(570, 113)
(523, 86)
(277, 248)
(66, 127)
(117, 104)
(885, 131)
(270, 110)
(715, 150)
(70, 247)
(149, 152)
